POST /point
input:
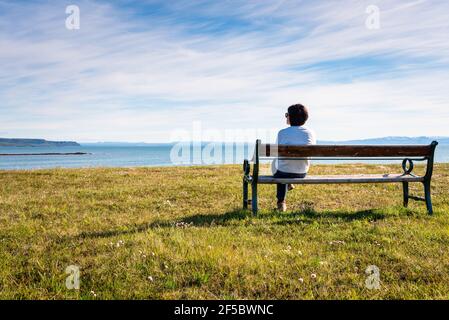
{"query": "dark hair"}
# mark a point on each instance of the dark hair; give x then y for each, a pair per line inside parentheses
(298, 114)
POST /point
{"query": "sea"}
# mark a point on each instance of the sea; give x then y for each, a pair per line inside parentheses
(160, 155)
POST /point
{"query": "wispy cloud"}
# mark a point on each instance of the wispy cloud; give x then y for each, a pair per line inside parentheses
(137, 70)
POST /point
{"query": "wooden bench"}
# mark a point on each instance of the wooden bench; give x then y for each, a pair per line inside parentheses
(407, 153)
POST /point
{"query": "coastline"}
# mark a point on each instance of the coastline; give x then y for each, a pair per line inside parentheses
(319, 165)
(45, 154)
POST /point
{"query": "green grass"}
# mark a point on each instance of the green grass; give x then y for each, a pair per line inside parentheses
(184, 228)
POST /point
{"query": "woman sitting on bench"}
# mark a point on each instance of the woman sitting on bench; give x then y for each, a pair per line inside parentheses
(296, 134)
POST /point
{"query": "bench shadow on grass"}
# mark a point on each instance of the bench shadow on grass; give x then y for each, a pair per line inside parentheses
(300, 216)
(306, 215)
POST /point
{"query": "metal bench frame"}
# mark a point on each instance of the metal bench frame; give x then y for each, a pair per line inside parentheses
(407, 153)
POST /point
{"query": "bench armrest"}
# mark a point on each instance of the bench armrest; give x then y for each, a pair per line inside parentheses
(246, 167)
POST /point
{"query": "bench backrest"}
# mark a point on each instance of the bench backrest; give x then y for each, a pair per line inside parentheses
(353, 151)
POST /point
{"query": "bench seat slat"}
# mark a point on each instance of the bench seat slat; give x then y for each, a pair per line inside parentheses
(363, 178)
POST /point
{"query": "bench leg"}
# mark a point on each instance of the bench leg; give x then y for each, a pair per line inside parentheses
(254, 198)
(428, 197)
(245, 194)
(405, 191)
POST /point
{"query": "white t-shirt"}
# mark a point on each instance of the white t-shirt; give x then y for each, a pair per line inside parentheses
(294, 135)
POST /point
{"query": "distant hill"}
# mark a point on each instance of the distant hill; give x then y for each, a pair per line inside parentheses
(392, 140)
(6, 142)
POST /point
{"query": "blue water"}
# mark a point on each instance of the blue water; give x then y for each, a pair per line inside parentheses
(130, 156)
(110, 156)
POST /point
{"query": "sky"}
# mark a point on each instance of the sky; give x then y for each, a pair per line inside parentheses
(150, 71)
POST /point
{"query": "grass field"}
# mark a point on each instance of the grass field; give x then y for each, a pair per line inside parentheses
(164, 233)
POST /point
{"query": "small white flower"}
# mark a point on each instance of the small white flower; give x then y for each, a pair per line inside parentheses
(337, 242)
(301, 280)
(150, 278)
(313, 276)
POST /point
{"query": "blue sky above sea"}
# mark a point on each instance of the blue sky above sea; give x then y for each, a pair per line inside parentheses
(139, 70)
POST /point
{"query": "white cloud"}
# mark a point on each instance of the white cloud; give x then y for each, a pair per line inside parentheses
(124, 76)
